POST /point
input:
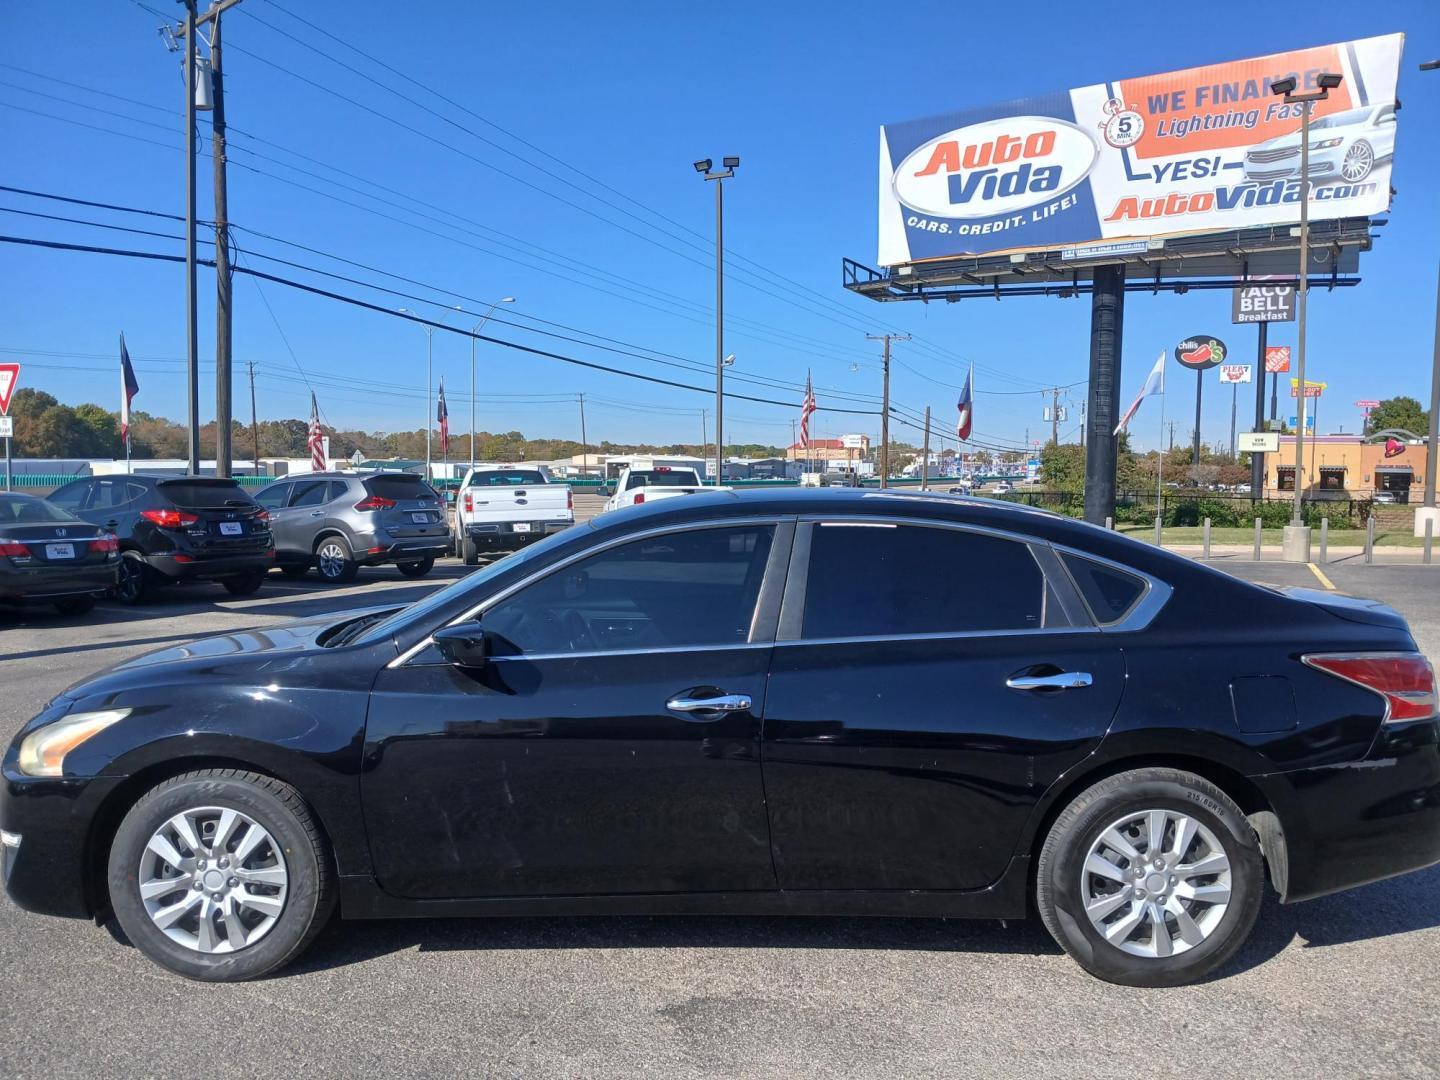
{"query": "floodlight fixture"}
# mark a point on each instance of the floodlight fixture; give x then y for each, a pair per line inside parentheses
(731, 162)
(1280, 87)
(703, 166)
(1328, 80)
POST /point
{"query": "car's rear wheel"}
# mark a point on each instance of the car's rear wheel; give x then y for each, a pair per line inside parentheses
(1150, 878)
(221, 875)
(246, 584)
(334, 561)
(295, 571)
(1359, 160)
(469, 552)
(137, 581)
(416, 569)
(75, 605)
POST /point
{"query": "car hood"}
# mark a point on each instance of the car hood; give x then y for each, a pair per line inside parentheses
(272, 647)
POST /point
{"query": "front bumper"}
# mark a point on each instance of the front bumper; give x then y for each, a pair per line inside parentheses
(51, 861)
(56, 582)
(1363, 821)
(180, 566)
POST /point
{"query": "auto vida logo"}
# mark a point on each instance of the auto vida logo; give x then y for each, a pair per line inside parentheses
(998, 167)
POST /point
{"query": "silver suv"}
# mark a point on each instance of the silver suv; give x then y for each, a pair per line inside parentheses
(339, 522)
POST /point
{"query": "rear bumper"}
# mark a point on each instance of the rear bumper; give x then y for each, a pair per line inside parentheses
(503, 534)
(58, 582)
(394, 551)
(179, 566)
(47, 854)
(1364, 821)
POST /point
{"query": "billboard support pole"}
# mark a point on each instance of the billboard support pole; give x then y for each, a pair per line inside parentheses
(1195, 439)
(1257, 460)
(1107, 323)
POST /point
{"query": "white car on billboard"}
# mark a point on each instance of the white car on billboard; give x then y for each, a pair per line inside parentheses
(1344, 146)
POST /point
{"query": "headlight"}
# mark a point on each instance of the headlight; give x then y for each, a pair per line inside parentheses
(42, 752)
(1325, 144)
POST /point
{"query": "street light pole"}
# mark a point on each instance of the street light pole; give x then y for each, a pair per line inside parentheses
(1432, 448)
(1296, 542)
(192, 341)
(704, 168)
(473, 331)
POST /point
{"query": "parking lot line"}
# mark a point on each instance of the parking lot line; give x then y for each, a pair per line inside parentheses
(1321, 575)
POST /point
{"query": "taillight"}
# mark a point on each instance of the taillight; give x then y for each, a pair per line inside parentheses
(569, 498)
(105, 544)
(14, 549)
(1405, 680)
(469, 503)
(262, 516)
(169, 519)
(639, 497)
(375, 502)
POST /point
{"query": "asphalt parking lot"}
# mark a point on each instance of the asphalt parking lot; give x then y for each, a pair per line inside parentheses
(1340, 987)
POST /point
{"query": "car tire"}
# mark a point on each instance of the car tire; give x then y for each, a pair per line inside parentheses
(295, 572)
(1360, 160)
(293, 879)
(245, 584)
(334, 561)
(75, 605)
(416, 569)
(1106, 920)
(137, 582)
(470, 553)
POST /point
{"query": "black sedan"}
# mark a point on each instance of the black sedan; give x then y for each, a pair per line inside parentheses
(836, 702)
(51, 556)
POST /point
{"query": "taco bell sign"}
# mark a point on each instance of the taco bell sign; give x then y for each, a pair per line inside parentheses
(1263, 303)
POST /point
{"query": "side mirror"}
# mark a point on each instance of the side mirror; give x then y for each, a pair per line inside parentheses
(605, 490)
(462, 645)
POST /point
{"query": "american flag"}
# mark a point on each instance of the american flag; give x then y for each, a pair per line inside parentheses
(806, 408)
(964, 405)
(317, 437)
(129, 387)
(442, 414)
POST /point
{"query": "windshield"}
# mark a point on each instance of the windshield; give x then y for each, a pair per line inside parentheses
(420, 612)
(1340, 119)
(661, 478)
(23, 510)
(506, 478)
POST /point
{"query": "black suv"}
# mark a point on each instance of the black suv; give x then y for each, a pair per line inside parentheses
(183, 528)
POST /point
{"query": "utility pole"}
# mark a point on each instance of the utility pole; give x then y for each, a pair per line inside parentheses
(1172, 434)
(254, 426)
(192, 342)
(584, 443)
(223, 325)
(925, 457)
(704, 432)
(1054, 416)
(885, 406)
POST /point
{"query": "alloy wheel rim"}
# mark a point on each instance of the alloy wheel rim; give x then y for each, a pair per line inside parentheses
(1357, 162)
(213, 880)
(332, 560)
(1156, 883)
(130, 573)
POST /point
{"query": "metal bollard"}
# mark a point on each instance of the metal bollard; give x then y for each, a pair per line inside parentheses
(1158, 541)
(1109, 524)
(1429, 536)
(1324, 539)
(1207, 538)
(1257, 539)
(1370, 540)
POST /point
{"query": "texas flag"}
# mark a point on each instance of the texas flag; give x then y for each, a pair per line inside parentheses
(129, 387)
(964, 405)
(1154, 384)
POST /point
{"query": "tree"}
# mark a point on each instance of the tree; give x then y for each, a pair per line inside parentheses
(105, 426)
(1400, 412)
(1062, 467)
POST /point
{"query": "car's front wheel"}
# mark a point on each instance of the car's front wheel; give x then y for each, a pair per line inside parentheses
(220, 875)
(1150, 878)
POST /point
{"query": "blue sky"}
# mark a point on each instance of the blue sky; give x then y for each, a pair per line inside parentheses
(629, 95)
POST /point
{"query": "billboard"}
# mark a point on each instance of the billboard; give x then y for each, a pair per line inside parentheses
(1202, 150)
(1263, 303)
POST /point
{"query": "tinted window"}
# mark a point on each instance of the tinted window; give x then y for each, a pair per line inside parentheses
(309, 493)
(106, 494)
(204, 494)
(662, 478)
(1109, 592)
(870, 580)
(21, 510)
(507, 478)
(71, 495)
(687, 588)
(399, 486)
(337, 488)
(273, 497)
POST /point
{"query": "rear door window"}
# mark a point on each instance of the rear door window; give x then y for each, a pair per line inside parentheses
(337, 489)
(273, 497)
(201, 495)
(399, 486)
(309, 493)
(107, 494)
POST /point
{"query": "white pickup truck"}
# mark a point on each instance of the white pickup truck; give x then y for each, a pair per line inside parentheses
(636, 486)
(501, 508)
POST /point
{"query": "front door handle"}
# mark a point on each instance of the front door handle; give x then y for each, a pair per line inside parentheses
(722, 704)
(1065, 680)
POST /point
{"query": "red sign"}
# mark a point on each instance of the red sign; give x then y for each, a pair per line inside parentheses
(1311, 391)
(1367, 403)
(1394, 447)
(9, 376)
(1277, 359)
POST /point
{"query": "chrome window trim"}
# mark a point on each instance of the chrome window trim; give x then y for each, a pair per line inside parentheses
(591, 654)
(1142, 612)
(490, 601)
(947, 635)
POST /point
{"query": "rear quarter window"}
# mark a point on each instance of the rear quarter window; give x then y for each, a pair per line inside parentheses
(205, 496)
(1109, 591)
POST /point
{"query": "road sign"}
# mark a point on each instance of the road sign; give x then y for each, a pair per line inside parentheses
(9, 376)
(1258, 442)
(1277, 358)
(7, 427)
(1309, 422)
(1263, 303)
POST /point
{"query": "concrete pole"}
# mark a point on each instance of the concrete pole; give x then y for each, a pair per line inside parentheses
(1296, 537)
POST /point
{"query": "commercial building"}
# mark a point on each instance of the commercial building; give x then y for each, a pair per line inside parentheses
(1350, 466)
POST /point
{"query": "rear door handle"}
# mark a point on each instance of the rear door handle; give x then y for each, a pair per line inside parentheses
(722, 704)
(1065, 680)
(317, 513)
